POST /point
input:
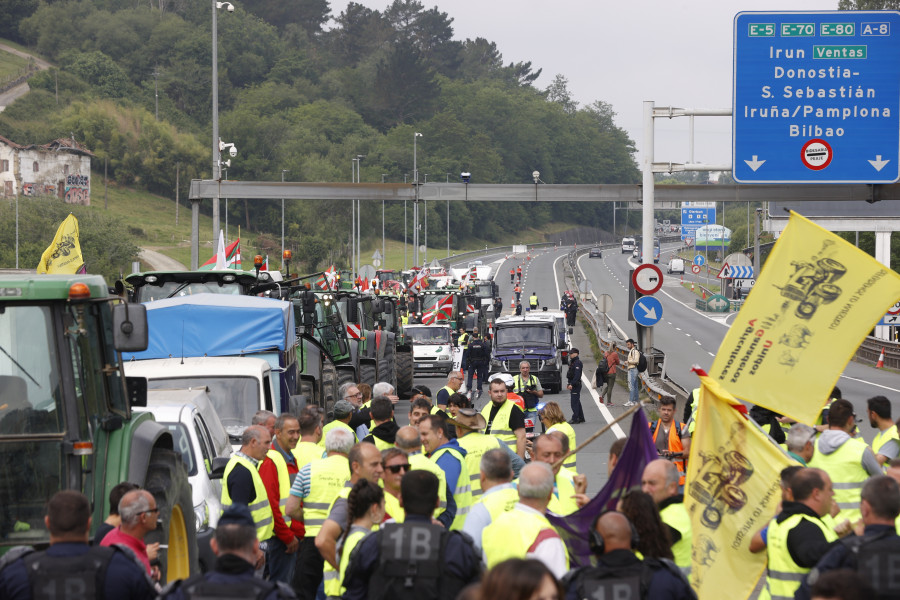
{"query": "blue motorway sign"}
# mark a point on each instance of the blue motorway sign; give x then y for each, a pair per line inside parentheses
(647, 311)
(816, 97)
(695, 215)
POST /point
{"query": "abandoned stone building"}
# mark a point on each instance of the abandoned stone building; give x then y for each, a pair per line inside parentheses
(60, 168)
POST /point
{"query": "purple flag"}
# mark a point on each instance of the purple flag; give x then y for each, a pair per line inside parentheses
(639, 450)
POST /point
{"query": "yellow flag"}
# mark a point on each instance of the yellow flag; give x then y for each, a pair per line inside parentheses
(64, 254)
(813, 304)
(732, 491)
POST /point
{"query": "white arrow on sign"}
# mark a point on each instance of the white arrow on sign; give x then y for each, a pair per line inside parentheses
(756, 163)
(649, 313)
(878, 163)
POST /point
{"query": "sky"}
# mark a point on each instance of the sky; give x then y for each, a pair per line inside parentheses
(675, 53)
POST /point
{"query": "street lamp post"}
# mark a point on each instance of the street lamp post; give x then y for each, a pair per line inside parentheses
(217, 152)
(383, 257)
(283, 171)
(416, 202)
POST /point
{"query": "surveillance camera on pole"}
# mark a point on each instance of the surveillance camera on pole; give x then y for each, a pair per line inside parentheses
(226, 5)
(536, 176)
(465, 176)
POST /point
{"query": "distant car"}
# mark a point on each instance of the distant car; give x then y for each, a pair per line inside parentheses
(628, 245)
(595, 253)
(676, 265)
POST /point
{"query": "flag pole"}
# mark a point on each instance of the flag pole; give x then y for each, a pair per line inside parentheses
(596, 435)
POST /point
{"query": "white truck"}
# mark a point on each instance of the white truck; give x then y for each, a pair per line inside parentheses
(238, 386)
(432, 348)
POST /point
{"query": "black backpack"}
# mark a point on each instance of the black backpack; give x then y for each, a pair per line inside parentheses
(602, 369)
(642, 362)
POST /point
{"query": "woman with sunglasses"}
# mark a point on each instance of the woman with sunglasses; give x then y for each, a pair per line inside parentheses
(365, 508)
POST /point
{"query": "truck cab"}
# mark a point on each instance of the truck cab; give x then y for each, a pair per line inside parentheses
(532, 337)
(159, 285)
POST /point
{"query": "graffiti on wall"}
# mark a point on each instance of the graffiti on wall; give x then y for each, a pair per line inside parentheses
(78, 189)
(38, 189)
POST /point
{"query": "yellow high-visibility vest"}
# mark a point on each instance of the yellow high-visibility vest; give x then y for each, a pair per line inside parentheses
(259, 506)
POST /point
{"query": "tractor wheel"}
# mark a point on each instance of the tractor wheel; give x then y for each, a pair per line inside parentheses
(404, 362)
(345, 376)
(167, 480)
(308, 389)
(368, 373)
(329, 386)
(386, 365)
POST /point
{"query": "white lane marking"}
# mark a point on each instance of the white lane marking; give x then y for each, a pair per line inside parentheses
(878, 385)
(698, 342)
(687, 334)
(710, 353)
(604, 411)
(585, 384)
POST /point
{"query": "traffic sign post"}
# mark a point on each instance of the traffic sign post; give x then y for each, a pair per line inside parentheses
(647, 311)
(816, 97)
(699, 260)
(647, 279)
(695, 269)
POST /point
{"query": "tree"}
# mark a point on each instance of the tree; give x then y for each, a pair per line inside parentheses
(558, 91)
(405, 87)
(101, 72)
(481, 59)
(13, 12)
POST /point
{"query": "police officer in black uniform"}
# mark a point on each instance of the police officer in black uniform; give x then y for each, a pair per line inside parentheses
(477, 357)
(619, 572)
(876, 554)
(71, 569)
(573, 375)
(238, 552)
(413, 560)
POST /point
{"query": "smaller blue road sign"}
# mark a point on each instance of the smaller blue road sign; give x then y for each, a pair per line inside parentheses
(647, 311)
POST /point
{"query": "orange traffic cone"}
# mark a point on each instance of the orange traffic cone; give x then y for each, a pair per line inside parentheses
(704, 294)
(880, 363)
(692, 286)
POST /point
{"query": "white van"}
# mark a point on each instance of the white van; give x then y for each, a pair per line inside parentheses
(627, 245)
(432, 348)
(676, 265)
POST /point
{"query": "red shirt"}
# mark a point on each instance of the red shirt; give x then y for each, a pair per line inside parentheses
(117, 536)
(269, 475)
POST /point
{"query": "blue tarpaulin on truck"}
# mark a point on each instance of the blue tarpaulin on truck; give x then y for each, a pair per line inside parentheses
(217, 325)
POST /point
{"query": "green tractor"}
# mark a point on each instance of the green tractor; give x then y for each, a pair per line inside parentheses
(66, 419)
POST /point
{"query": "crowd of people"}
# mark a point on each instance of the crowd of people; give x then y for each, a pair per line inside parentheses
(456, 505)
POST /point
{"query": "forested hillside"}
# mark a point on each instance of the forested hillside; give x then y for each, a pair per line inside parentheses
(303, 93)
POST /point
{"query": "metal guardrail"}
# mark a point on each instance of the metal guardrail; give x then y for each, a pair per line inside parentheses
(654, 379)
